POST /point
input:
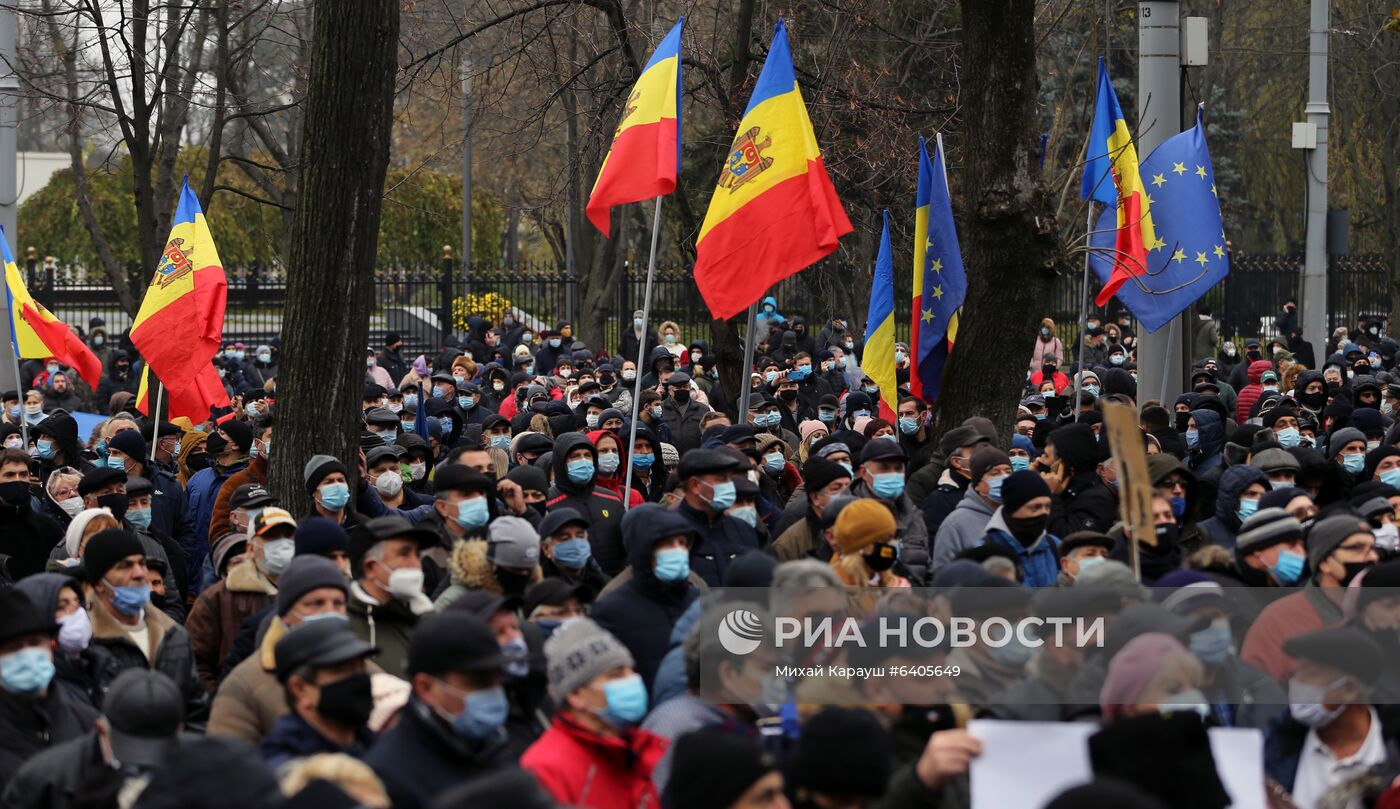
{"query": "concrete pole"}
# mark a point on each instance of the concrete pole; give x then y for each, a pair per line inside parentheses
(9, 193)
(1160, 365)
(1313, 301)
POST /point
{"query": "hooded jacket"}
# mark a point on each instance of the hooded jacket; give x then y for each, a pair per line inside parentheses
(604, 508)
(963, 529)
(720, 539)
(618, 479)
(1251, 393)
(422, 757)
(1205, 458)
(1225, 525)
(642, 610)
(92, 669)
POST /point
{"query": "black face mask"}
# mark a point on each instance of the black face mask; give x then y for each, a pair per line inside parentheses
(216, 444)
(1183, 421)
(197, 461)
(1313, 401)
(787, 395)
(513, 583)
(1028, 529)
(349, 701)
(541, 507)
(882, 556)
(15, 493)
(1167, 536)
(681, 396)
(1351, 570)
(116, 503)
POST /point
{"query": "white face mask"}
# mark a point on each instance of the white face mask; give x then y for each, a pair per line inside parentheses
(418, 470)
(389, 484)
(406, 583)
(71, 506)
(1387, 536)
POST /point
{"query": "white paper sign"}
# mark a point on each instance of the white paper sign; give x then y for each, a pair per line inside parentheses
(1239, 759)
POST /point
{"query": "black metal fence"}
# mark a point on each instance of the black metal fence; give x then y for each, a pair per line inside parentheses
(419, 301)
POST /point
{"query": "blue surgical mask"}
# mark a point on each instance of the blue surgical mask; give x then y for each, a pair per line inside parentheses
(645, 461)
(466, 402)
(994, 487)
(1088, 562)
(849, 471)
(908, 426)
(130, 600)
(1193, 439)
(27, 671)
(1019, 464)
(580, 470)
(44, 448)
(826, 416)
(770, 377)
(871, 389)
(722, 496)
(573, 553)
(1092, 390)
(627, 701)
(889, 485)
(459, 379)
(1353, 463)
(672, 564)
(749, 514)
(898, 357)
(1212, 644)
(473, 513)
(1288, 568)
(1247, 508)
(1288, 437)
(334, 496)
(554, 342)
(114, 462)
(14, 412)
(608, 462)
(774, 462)
(139, 517)
(483, 713)
(410, 400)
(437, 393)
(501, 442)
(388, 436)
(1391, 477)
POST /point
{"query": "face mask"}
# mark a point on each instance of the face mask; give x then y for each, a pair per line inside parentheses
(872, 390)
(71, 506)
(277, 554)
(1287, 437)
(466, 402)
(1212, 644)
(1027, 530)
(1092, 390)
(656, 412)
(722, 496)
(898, 357)
(1353, 463)
(774, 462)
(627, 701)
(334, 496)
(517, 663)
(882, 556)
(1116, 359)
(888, 485)
(1387, 536)
(826, 416)
(1089, 562)
(573, 553)
(628, 376)
(994, 487)
(27, 671)
(1370, 445)
(408, 425)
(527, 337)
(672, 564)
(643, 461)
(114, 462)
(1288, 568)
(370, 363)
(1193, 439)
(1305, 703)
(1247, 508)
(1189, 701)
(1012, 654)
(473, 513)
(908, 426)
(554, 342)
(139, 518)
(1019, 464)
(483, 714)
(405, 583)
(1271, 388)
(860, 414)
(580, 470)
(74, 631)
(349, 700)
(748, 514)
(849, 471)
(44, 448)
(565, 373)
(389, 484)
(608, 463)
(591, 420)
(418, 470)
(501, 442)
(117, 503)
(130, 600)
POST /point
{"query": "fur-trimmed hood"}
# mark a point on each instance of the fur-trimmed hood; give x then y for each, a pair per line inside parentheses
(468, 565)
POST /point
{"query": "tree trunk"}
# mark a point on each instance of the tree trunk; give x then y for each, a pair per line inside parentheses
(1009, 236)
(345, 147)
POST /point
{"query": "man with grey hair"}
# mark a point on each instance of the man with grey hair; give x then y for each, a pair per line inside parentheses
(386, 597)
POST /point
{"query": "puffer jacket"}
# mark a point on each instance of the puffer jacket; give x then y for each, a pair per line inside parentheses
(963, 529)
(1206, 460)
(219, 612)
(1251, 392)
(172, 654)
(1225, 525)
(912, 533)
(642, 611)
(604, 508)
(470, 570)
(585, 769)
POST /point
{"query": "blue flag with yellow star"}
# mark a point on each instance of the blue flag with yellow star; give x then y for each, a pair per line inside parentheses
(939, 282)
(1188, 255)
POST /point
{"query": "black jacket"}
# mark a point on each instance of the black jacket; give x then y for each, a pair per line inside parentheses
(643, 609)
(423, 757)
(604, 509)
(172, 650)
(60, 777)
(27, 537)
(721, 539)
(31, 724)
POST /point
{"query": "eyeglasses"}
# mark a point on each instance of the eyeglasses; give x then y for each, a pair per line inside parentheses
(1173, 483)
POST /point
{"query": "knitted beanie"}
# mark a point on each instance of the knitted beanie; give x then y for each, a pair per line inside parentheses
(577, 653)
(863, 522)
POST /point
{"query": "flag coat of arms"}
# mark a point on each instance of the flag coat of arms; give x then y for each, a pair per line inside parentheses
(774, 211)
(181, 321)
(646, 150)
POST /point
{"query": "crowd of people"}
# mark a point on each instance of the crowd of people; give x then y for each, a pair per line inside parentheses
(479, 611)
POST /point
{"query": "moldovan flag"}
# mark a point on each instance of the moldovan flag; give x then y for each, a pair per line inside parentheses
(877, 361)
(646, 151)
(143, 392)
(940, 285)
(774, 211)
(181, 321)
(1111, 154)
(37, 334)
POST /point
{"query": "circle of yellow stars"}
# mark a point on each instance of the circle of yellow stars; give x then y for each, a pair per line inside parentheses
(1159, 180)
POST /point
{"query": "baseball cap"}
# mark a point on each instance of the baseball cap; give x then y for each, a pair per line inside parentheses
(513, 543)
(270, 518)
(251, 495)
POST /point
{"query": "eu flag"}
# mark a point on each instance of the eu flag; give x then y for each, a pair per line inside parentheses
(940, 286)
(1188, 255)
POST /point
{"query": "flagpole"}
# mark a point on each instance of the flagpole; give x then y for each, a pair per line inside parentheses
(19, 383)
(155, 418)
(641, 354)
(746, 380)
(1083, 309)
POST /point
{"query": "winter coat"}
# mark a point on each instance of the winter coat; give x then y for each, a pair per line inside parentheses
(31, 724)
(799, 540)
(603, 508)
(292, 737)
(1205, 459)
(581, 768)
(387, 626)
(618, 479)
(27, 537)
(912, 533)
(630, 348)
(250, 700)
(201, 493)
(90, 671)
(171, 650)
(683, 422)
(1042, 347)
(470, 570)
(721, 539)
(1092, 509)
(1251, 392)
(963, 529)
(218, 613)
(422, 757)
(59, 777)
(254, 472)
(671, 678)
(170, 514)
(642, 611)
(1225, 525)
(1040, 563)
(1295, 614)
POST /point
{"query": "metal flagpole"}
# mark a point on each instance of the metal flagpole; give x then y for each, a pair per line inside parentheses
(641, 354)
(1083, 310)
(155, 419)
(745, 381)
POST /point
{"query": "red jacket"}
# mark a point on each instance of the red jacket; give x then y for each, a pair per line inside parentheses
(613, 482)
(1251, 392)
(581, 768)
